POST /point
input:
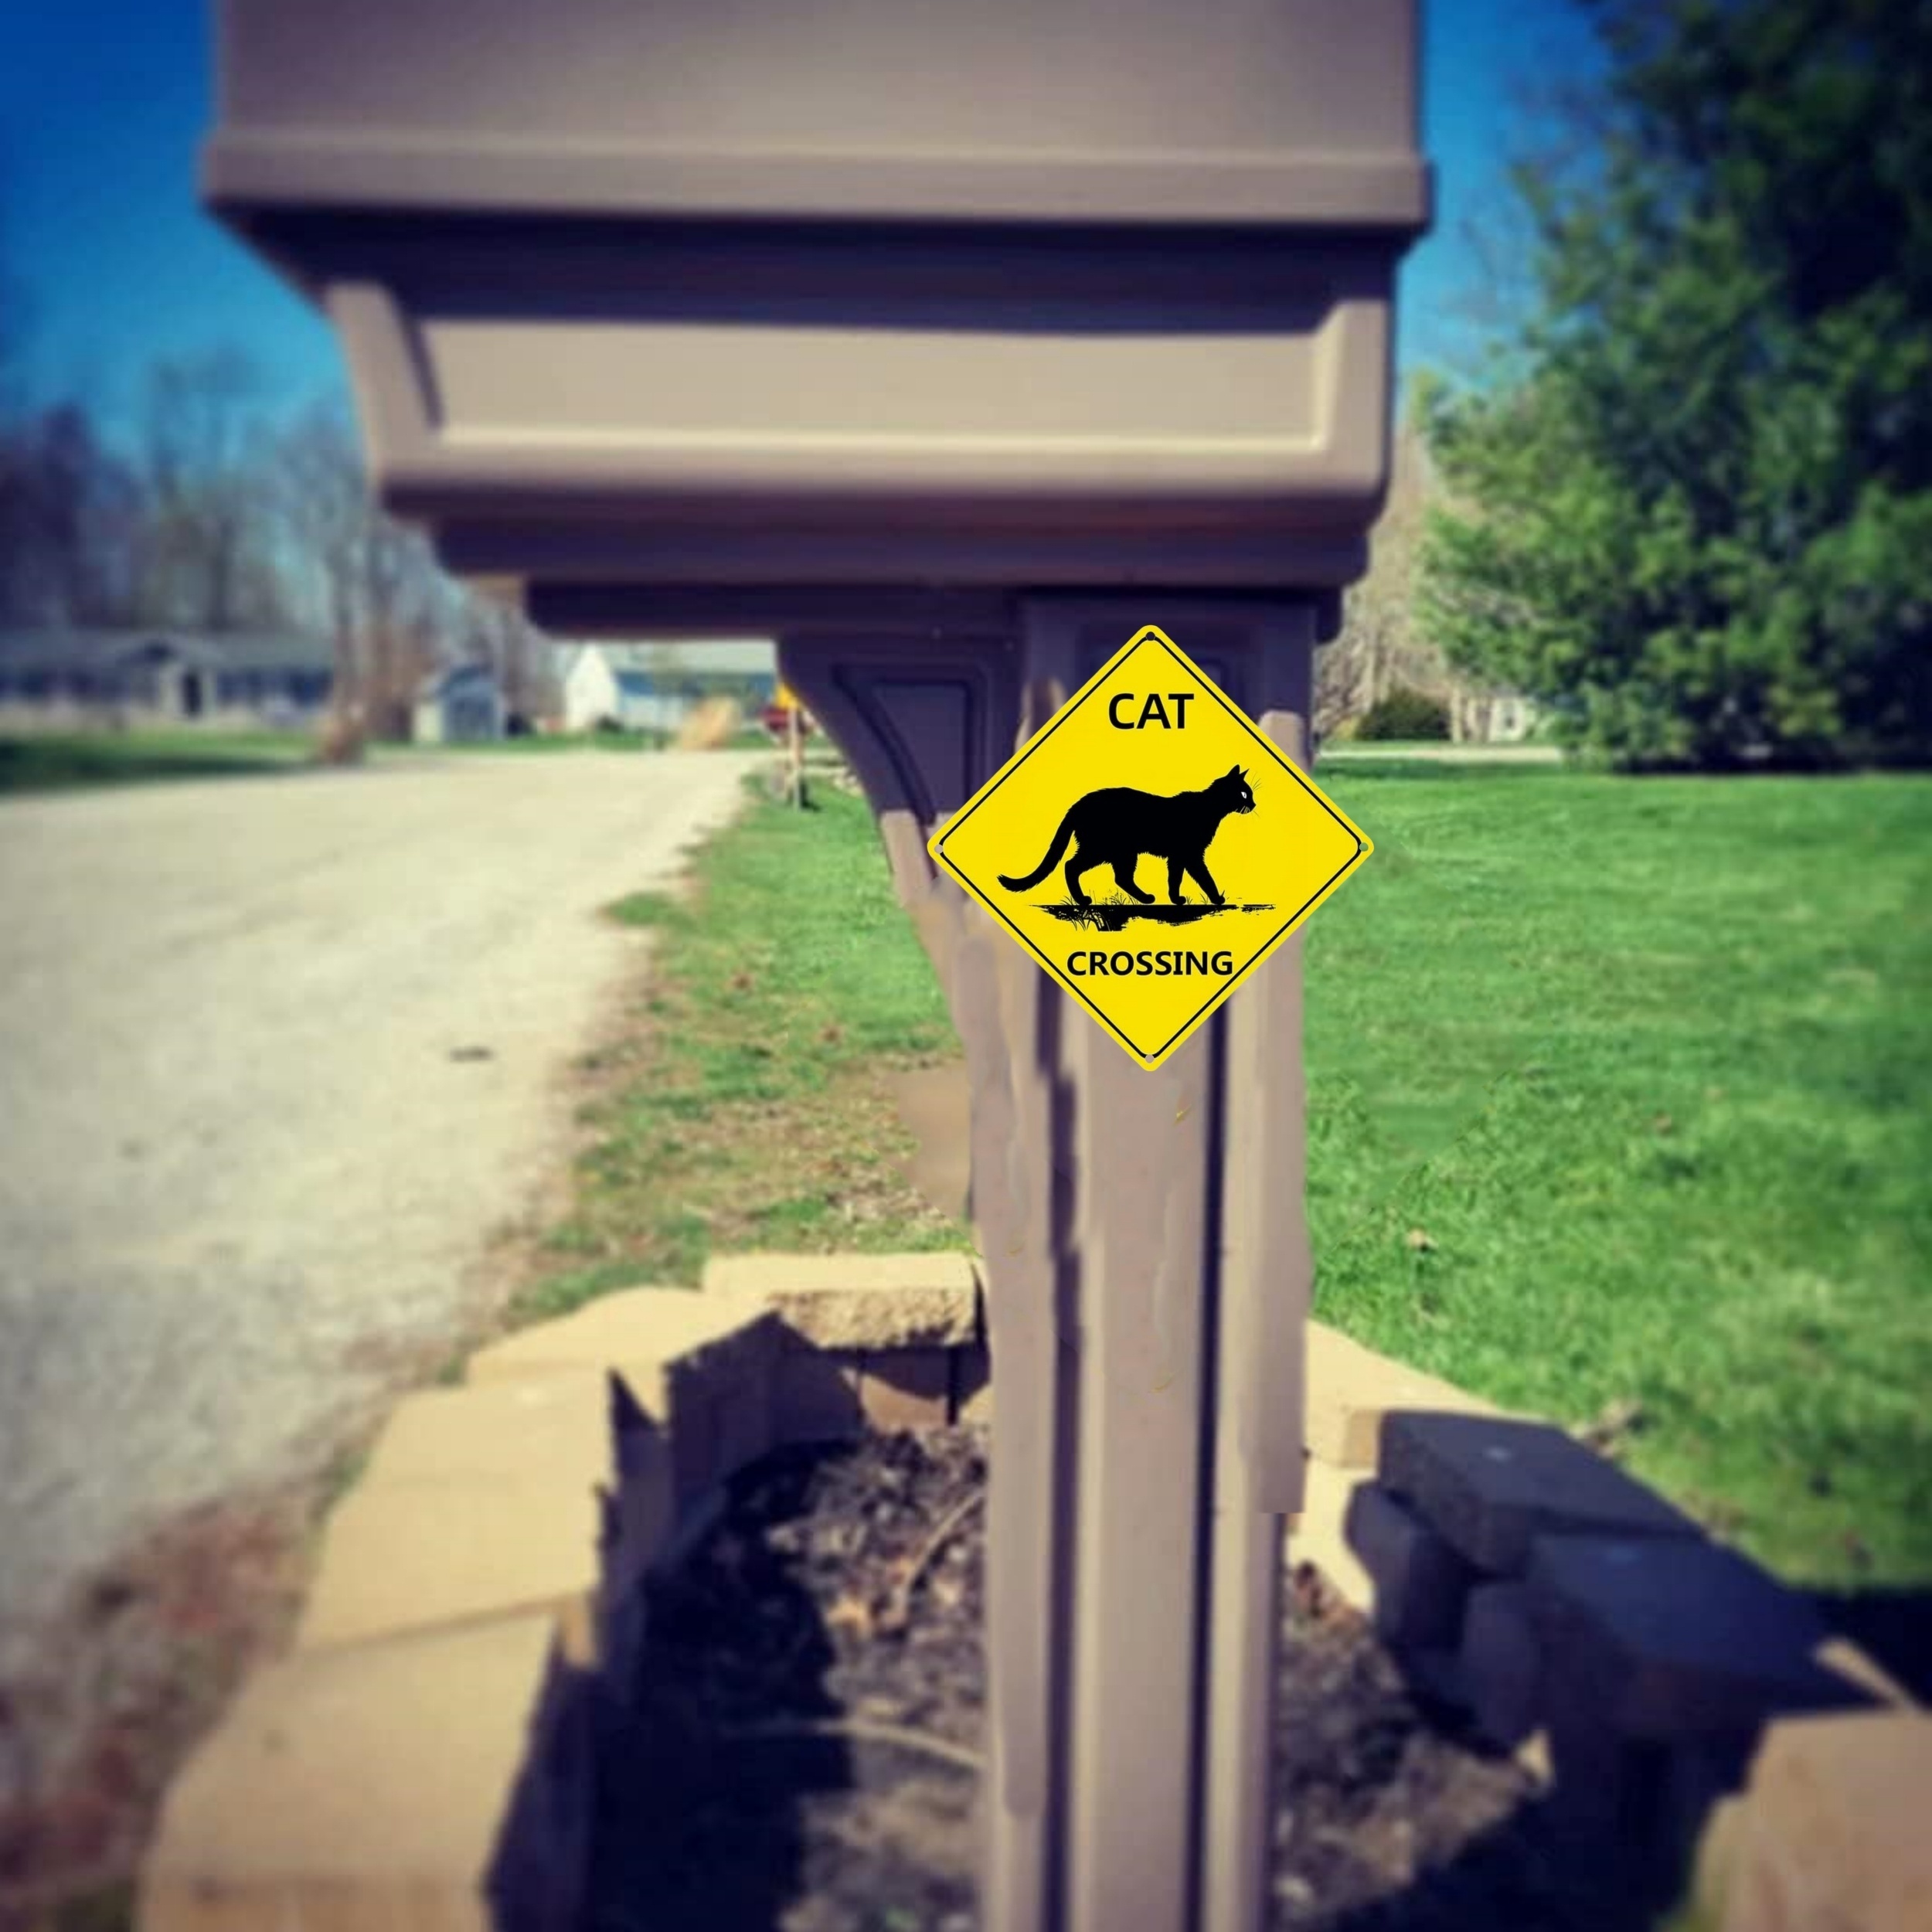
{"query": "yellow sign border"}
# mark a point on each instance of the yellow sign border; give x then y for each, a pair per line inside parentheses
(1151, 634)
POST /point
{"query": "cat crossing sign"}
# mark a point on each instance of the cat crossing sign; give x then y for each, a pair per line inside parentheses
(1149, 846)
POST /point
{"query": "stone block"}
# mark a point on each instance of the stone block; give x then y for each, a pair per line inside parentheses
(554, 1429)
(1711, 1862)
(1420, 1582)
(973, 1385)
(643, 1334)
(858, 1301)
(1701, 1803)
(1833, 1832)
(1491, 1484)
(1350, 1389)
(1670, 1637)
(1500, 1664)
(440, 1780)
(1605, 1788)
(411, 1557)
(906, 1388)
(815, 1396)
(1845, 1659)
(697, 1366)
(1318, 1535)
(640, 1517)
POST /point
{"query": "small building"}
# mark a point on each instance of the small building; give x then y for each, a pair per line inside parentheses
(605, 689)
(52, 678)
(461, 705)
(632, 687)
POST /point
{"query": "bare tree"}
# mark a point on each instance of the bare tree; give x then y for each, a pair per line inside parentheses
(204, 451)
(520, 654)
(1379, 648)
(358, 574)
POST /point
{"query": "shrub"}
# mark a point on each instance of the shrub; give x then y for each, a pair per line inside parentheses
(1404, 714)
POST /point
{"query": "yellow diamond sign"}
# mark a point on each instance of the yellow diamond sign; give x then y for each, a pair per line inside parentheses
(1149, 847)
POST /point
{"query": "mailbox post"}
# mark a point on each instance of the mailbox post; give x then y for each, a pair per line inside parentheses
(950, 345)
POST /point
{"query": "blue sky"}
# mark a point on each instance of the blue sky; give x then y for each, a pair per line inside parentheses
(103, 105)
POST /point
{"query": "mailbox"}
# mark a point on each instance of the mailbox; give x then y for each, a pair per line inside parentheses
(951, 342)
(1091, 292)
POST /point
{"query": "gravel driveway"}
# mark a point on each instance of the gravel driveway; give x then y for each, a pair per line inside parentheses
(276, 1057)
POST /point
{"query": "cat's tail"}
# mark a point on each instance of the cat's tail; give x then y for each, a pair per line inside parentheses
(1062, 839)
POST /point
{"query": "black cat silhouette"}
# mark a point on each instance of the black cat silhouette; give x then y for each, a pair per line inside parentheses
(1114, 827)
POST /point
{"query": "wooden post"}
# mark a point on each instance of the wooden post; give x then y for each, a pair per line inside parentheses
(1147, 1278)
(794, 757)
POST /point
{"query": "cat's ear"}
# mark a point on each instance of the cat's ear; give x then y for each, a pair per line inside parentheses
(1234, 771)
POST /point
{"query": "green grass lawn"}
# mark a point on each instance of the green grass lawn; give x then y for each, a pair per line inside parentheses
(1617, 1095)
(740, 1105)
(66, 761)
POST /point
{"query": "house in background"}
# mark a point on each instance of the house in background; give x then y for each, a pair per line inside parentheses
(55, 679)
(462, 704)
(655, 687)
(604, 690)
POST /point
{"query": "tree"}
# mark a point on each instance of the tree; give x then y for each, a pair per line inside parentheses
(356, 574)
(205, 453)
(1692, 512)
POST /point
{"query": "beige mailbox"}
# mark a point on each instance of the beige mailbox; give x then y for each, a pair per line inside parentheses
(951, 344)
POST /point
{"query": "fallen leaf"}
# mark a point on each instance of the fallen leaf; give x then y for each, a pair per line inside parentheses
(853, 1613)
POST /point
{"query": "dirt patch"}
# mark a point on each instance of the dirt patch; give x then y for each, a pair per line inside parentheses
(803, 1753)
(151, 1650)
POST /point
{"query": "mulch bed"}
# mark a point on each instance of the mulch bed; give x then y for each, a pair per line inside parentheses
(804, 1751)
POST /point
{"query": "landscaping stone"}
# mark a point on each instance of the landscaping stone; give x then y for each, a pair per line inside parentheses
(1350, 1388)
(1420, 1580)
(1701, 1806)
(1605, 1788)
(698, 1366)
(1844, 1658)
(1500, 1664)
(862, 1301)
(436, 1780)
(551, 1429)
(640, 1330)
(815, 1396)
(1671, 1636)
(1317, 1536)
(973, 1385)
(907, 1388)
(1491, 1484)
(411, 1556)
(1833, 1831)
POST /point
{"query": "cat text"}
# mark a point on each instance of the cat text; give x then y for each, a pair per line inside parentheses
(1152, 711)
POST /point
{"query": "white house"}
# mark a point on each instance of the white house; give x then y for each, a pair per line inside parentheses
(644, 687)
(602, 687)
(462, 705)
